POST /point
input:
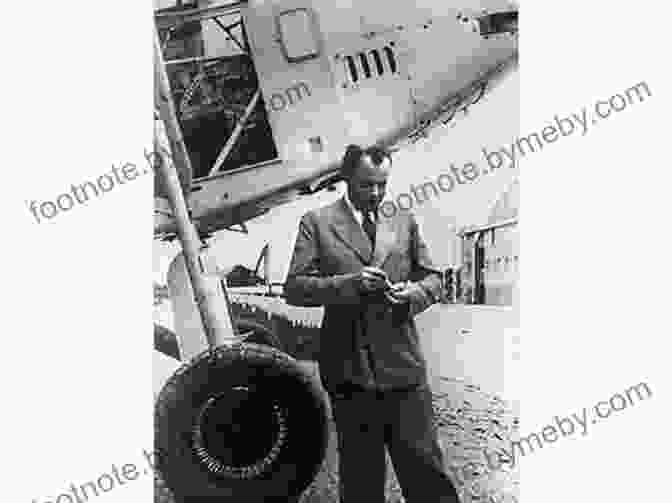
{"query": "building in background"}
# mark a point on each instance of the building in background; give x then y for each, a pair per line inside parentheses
(491, 256)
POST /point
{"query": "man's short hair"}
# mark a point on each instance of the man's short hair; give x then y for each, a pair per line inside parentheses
(355, 153)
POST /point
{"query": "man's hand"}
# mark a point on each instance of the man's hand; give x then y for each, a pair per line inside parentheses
(401, 293)
(372, 279)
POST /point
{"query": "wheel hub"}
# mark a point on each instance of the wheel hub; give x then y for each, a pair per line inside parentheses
(239, 433)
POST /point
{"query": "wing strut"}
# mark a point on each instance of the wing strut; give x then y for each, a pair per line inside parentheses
(240, 126)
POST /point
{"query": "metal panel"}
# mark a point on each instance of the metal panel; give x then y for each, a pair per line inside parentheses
(303, 107)
(374, 105)
(432, 75)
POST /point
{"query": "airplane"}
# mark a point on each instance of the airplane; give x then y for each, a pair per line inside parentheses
(305, 78)
(256, 102)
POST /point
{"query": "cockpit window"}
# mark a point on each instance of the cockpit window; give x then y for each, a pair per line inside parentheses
(298, 35)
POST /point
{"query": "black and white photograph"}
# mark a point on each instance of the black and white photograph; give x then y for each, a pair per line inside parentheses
(343, 254)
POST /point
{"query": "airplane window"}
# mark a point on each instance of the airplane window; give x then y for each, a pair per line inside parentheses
(361, 62)
(498, 22)
(365, 65)
(298, 35)
(353, 68)
(391, 59)
(378, 61)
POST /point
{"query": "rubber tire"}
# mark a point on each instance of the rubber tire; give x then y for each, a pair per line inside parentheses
(214, 372)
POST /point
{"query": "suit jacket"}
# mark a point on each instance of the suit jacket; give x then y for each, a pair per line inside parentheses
(364, 340)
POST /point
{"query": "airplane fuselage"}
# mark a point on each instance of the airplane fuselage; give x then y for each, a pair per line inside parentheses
(332, 74)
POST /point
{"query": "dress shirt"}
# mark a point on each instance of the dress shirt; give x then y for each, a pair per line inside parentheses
(359, 216)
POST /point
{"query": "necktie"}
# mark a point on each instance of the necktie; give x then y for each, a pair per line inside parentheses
(369, 227)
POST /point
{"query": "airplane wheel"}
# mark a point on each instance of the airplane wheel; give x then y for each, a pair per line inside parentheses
(245, 423)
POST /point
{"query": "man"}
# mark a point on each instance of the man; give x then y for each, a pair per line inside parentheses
(373, 275)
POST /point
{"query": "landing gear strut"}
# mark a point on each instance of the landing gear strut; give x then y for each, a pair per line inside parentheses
(238, 421)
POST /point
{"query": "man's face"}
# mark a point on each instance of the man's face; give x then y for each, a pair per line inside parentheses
(366, 187)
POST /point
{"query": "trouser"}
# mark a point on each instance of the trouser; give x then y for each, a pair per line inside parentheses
(367, 422)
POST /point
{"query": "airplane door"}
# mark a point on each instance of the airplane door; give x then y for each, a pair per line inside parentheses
(297, 81)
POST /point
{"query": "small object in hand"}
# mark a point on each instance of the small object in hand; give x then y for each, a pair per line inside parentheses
(392, 288)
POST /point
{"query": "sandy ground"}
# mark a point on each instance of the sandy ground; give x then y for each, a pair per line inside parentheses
(471, 424)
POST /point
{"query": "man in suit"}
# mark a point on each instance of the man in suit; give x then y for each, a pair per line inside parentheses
(373, 275)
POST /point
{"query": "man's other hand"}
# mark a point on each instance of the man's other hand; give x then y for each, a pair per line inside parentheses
(401, 293)
(372, 279)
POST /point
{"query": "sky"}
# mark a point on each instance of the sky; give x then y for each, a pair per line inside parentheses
(490, 124)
